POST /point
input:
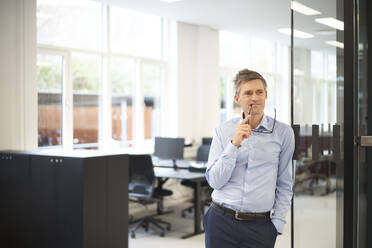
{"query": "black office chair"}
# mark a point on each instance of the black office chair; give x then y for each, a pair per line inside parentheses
(142, 188)
(207, 141)
(201, 156)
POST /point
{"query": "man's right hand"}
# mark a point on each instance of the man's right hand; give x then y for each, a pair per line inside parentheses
(242, 131)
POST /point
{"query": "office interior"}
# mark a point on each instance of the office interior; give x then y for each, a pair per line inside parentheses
(112, 75)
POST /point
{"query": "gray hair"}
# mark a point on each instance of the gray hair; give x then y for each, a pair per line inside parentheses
(247, 75)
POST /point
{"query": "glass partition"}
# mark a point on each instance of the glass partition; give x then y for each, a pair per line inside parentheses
(318, 122)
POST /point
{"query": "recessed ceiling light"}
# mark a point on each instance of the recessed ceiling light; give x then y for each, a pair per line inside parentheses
(296, 6)
(296, 33)
(331, 22)
(335, 43)
(170, 1)
(326, 32)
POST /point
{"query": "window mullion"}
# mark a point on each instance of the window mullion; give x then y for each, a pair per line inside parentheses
(105, 113)
(67, 105)
(139, 104)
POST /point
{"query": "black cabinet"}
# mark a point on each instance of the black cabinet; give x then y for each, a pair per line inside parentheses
(73, 201)
(15, 200)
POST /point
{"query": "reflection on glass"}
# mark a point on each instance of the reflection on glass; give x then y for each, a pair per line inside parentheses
(135, 33)
(318, 117)
(86, 94)
(69, 23)
(122, 78)
(50, 82)
(152, 80)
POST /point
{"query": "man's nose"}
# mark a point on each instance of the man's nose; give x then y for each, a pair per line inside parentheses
(254, 97)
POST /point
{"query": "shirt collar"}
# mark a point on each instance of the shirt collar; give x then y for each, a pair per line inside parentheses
(262, 125)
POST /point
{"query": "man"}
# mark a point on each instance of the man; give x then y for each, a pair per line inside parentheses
(249, 169)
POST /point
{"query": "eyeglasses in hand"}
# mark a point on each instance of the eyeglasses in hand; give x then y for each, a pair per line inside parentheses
(263, 130)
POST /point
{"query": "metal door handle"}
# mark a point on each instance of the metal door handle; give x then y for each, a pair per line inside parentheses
(364, 141)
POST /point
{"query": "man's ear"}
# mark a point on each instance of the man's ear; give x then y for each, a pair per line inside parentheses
(237, 100)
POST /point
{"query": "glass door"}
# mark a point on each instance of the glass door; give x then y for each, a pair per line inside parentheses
(318, 122)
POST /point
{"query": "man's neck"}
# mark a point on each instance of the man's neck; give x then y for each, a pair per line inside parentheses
(255, 120)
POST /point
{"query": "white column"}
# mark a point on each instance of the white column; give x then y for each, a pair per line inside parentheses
(18, 85)
(198, 81)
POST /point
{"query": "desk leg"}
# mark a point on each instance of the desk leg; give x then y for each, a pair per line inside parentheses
(197, 215)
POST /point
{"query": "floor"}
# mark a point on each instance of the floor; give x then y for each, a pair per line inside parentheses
(315, 226)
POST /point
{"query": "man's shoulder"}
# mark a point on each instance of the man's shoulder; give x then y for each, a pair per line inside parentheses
(281, 126)
(229, 123)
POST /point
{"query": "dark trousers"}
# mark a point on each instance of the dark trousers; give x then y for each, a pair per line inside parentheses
(222, 230)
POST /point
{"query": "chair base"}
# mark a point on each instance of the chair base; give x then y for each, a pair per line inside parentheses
(146, 221)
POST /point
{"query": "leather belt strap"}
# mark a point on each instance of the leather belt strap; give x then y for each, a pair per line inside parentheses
(243, 215)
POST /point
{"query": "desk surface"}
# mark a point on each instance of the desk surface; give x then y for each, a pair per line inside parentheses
(179, 174)
(184, 164)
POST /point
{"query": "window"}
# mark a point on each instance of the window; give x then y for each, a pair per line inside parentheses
(123, 90)
(78, 89)
(86, 96)
(135, 33)
(152, 81)
(50, 82)
(69, 23)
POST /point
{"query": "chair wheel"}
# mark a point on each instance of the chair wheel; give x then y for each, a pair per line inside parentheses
(162, 234)
(132, 235)
(183, 215)
(169, 228)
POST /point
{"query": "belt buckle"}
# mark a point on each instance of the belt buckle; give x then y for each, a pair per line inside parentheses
(237, 216)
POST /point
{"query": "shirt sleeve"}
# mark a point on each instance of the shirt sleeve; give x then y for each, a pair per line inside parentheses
(284, 184)
(221, 162)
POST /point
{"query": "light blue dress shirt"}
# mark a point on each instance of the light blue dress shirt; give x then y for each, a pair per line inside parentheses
(257, 176)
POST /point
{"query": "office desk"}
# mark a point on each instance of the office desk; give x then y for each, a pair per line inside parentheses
(182, 164)
(162, 172)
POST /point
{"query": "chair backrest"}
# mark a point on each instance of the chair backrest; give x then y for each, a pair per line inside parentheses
(203, 153)
(141, 176)
(207, 141)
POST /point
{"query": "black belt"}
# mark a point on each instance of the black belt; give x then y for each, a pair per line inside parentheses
(243, 215)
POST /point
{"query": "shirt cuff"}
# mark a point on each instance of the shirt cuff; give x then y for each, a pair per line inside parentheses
(279, 225)
(231, 150)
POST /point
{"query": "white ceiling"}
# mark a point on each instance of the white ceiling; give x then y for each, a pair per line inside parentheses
(260, 18)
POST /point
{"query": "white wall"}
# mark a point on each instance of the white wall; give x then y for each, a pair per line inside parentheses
(198, 102)
(18, 88)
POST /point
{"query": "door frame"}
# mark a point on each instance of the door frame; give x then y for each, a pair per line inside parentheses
(350, 182)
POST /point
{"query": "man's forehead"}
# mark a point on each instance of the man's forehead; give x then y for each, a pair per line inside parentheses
(252, 85)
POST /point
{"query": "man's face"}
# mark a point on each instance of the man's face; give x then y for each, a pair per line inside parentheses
(252, 92)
